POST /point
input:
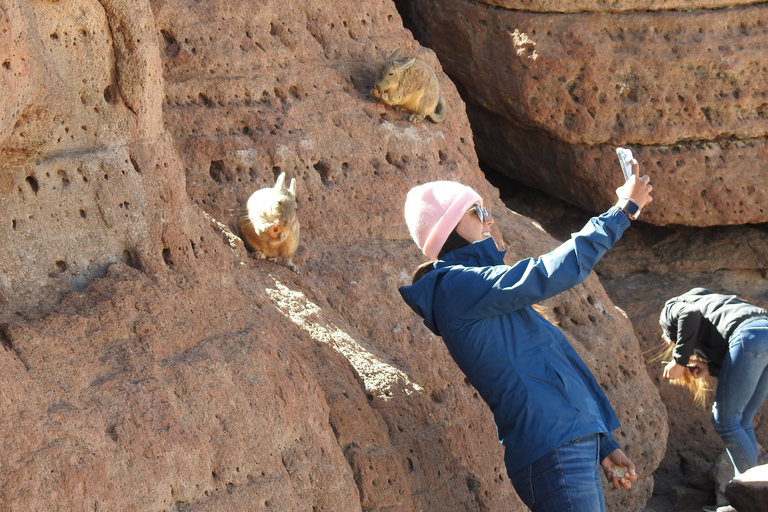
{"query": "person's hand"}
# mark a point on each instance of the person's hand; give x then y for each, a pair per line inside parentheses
(673, 370)
(636, 188)
(698, 368)
(617, 458)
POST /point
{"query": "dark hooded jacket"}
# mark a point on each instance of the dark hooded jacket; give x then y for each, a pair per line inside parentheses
(540, 391)
(701, 322)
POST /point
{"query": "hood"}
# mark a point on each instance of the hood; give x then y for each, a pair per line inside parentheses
(420, 295)
(668, 317)
(672, 308)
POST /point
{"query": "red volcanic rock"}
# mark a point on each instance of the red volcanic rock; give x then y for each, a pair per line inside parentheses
(611, 6)
(148, 363)
(748, 492)
(550, 95)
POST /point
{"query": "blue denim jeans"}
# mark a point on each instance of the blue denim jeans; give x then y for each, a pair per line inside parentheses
(567, 479)
(741, 389)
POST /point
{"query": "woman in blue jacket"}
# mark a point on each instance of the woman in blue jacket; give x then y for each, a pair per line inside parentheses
(552, 417)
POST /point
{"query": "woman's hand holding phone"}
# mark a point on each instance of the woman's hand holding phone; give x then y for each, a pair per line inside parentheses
(636, 188)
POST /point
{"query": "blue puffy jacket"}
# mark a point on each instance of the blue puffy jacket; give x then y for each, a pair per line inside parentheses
(540, 391)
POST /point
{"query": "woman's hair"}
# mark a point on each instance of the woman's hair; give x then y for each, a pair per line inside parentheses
(698, 387)
(453, 242)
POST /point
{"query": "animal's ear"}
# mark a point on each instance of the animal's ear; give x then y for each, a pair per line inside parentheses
(406, 64)
(275, 231)
(280, 181)
(292, 187)
(394, 54)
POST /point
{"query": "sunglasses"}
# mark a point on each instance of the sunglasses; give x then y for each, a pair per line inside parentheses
(481, 212)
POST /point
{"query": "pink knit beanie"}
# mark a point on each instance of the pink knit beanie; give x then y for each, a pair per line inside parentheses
(433, 210)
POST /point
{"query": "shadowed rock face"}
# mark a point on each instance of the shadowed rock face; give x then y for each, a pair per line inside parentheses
(149, 364)
(551, 94)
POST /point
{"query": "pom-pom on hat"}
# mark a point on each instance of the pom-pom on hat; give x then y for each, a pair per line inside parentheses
(433, 210)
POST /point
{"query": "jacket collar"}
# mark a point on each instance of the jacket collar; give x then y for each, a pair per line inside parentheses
(420, 295)
(478, 254)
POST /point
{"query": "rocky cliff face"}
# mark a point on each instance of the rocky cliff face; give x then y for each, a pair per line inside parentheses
(553, 87)
(149, 364)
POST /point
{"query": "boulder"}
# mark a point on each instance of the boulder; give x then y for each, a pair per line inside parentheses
(148, 363)
(612, 6)
(748, 492)
(550, 95)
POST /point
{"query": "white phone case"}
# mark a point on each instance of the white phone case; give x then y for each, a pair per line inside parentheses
(625, 159)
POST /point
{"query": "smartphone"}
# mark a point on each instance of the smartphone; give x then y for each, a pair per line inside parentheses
(625, 159)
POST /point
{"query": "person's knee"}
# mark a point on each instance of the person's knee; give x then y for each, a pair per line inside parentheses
(726, 425)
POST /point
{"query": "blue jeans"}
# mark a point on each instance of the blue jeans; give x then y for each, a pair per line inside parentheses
(567, 479)
(741, 390)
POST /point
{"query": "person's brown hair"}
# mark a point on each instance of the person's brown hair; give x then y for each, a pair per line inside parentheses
(453, 242)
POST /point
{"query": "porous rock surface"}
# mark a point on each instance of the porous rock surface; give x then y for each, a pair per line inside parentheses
(748, 492)
(552, 88)
(612, 6)
(148, 363)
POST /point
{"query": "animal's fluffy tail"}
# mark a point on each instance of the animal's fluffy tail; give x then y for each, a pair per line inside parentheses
(441, 109)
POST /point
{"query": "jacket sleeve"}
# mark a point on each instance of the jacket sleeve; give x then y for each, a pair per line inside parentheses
(714, 369)
(491, 291)
(688, 327)
(607, 445)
